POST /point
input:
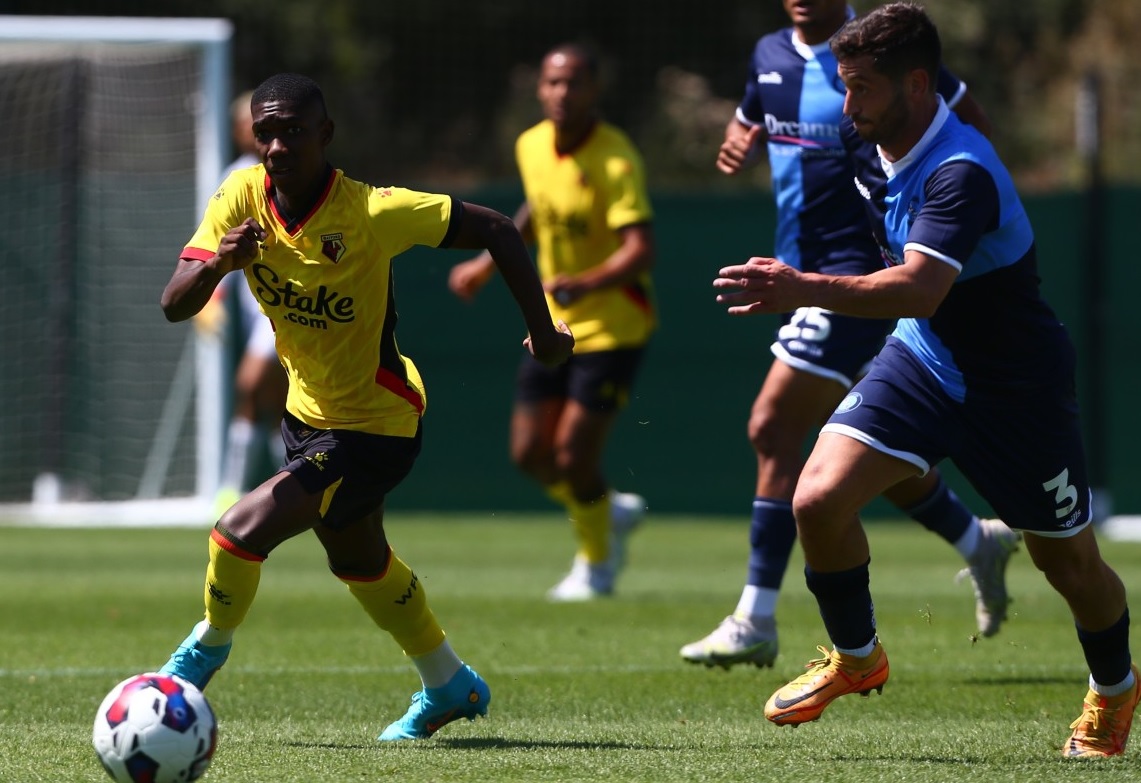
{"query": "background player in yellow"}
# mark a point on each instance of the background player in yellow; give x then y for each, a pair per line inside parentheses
(317, 250)
(260, 384)
(587, 211)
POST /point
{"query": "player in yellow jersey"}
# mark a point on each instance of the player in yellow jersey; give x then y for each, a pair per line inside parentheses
(317, 248)
(587, 211)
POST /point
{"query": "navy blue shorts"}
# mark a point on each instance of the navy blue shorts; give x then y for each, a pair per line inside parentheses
(353, 470)
(599, 381)
(823, 343)
(1021, 451)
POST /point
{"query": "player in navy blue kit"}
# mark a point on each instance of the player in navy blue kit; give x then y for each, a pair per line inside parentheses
(793, 105)
(978, 370)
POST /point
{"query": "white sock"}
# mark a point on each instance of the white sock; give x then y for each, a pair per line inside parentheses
(1113, 690)
(276, 446)
(757, 602)
(859, 652)
(967, 543)
(212, 635)
(438, 666)
(239, 439)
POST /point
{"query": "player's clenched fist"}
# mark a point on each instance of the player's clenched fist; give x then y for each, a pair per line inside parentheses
(551, 348)
(240, 246)
(738, 149)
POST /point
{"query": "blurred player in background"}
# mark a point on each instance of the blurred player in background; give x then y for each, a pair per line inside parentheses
(317, 248)
(242, 131)
(588, 212)
(794, 103)
(259, 381)
(978, 370)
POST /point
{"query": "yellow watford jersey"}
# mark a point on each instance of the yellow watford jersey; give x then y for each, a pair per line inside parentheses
(325, 282)
(578, 201)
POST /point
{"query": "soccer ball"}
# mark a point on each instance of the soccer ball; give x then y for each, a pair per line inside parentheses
(155, 728)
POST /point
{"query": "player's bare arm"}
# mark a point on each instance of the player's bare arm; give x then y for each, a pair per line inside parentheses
(634, 257)
(468, 278)
(482, 227)
(739, 150)
(193, 281)
(912, 289)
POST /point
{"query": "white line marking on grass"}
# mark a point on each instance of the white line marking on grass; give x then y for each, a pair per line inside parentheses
(276, 671)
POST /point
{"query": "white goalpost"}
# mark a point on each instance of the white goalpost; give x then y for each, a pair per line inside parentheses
(115, 132)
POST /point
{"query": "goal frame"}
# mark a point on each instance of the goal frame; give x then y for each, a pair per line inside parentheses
(204, 354)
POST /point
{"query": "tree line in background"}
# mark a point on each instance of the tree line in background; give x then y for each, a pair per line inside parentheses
(433, 92)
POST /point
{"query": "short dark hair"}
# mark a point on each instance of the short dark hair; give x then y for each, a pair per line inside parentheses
(289, 88)
(899, 37)
(583, 51)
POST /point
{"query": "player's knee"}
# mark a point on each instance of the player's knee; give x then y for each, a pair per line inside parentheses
(774, 436)
(234, 521)
(567, 461)
(356, 562)
(262, 525)
(234, 534)
(1078, 576)
(816, 505)
(240, 525)
(530, 458)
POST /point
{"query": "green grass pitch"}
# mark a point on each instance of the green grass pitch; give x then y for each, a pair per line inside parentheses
(592, 692)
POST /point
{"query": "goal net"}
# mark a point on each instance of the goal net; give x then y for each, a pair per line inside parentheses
(114, 134)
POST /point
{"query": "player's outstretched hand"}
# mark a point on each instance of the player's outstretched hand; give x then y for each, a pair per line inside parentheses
(468, 277)
(240, 246)
(551, 348)
(565, 289)
(736, 150)
(761, 285)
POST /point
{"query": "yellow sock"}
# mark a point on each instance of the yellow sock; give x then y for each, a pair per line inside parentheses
(231, 581)
(560, 492)
(396, 602)
(591, 522)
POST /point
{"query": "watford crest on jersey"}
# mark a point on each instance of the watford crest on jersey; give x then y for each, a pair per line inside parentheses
(332, 246)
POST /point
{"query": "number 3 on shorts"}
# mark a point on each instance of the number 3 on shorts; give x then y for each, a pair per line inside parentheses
(1065, 495)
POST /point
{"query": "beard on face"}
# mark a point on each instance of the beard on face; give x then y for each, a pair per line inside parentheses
(890, 123)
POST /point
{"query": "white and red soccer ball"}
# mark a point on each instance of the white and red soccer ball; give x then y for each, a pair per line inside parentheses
(155, 728)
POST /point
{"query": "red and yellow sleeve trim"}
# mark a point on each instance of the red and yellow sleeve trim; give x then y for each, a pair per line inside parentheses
(197, 254)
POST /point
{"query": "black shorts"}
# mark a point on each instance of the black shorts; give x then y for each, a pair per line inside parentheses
(600, 381)
(353, 470)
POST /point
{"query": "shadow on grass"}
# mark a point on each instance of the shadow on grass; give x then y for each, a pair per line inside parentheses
(479, 743)
(924, 759)
(1043, 679)
(332, 745)
(1050, 761)
(503, 743)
